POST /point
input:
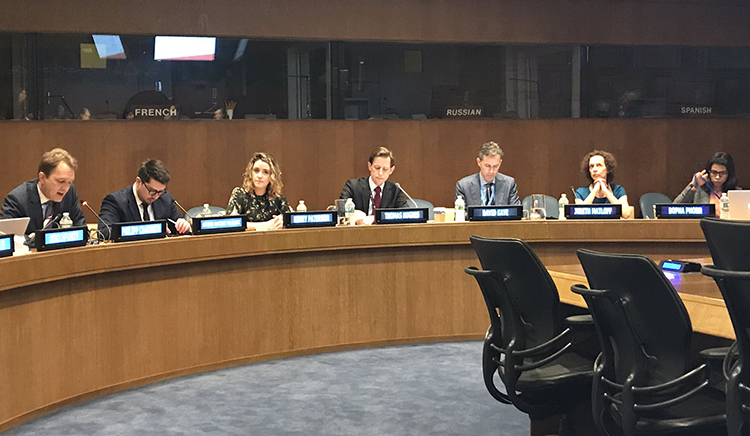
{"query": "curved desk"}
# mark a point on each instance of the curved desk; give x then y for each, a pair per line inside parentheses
(84, 322)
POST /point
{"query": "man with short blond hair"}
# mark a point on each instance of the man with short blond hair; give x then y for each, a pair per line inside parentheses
(47, 197)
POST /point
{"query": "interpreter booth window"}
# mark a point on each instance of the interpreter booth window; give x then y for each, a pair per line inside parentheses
(421, 81)
(64, 76)
(667, 81)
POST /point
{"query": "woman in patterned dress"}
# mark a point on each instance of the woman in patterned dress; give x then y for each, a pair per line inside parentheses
(260, 194)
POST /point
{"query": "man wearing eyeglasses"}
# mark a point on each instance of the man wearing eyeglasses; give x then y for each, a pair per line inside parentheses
(146, 200)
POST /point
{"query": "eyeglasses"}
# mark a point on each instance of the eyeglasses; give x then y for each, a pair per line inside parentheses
(718, 173)
(153, 192)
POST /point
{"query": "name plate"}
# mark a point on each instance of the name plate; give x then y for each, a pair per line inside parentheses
(300, 220)
(401, 216)
(54, 239)
(684, 210)
(680, 266)
(7, 245)
(139, 230)
(593, 211)
(495, 213)
(221, 224)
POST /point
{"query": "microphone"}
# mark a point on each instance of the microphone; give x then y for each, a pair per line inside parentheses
(54, 220)
(574, 191)
(407, 194)
(182, 208)
(99, 233)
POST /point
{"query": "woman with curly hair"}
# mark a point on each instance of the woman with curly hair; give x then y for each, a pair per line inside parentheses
(260, 194)
(599, 167)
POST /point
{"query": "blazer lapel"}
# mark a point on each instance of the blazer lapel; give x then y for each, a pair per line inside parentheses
(500, 191)
(36, 206)
(135, 213)
(388, 194)
(474, 190)
(364, 192)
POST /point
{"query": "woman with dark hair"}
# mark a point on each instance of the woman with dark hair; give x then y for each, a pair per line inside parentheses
(707, 185)
(260, 194)
(599, 167)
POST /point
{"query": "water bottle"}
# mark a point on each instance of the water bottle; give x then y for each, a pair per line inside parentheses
(460, 206)
(349, 207)
(65, 221)
(301, 206)
(724, 206)
(206, 212)
(561, 203)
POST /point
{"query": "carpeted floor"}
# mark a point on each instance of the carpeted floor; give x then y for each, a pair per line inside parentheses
(431, 389)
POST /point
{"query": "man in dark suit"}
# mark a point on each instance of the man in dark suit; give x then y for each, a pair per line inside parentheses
(489, 187)
(145, 200)
(375, 192)
(47, 197)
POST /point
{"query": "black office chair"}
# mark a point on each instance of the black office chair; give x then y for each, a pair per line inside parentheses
(729, 243)
(527, 344)
(647, 202)
(644, 383)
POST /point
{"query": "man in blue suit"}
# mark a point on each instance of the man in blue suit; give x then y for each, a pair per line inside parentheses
(145, 200)
(47, 197)
(489, 187)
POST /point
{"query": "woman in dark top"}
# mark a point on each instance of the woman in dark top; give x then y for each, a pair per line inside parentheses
(707, 185)
(260, 194)
(599, 167)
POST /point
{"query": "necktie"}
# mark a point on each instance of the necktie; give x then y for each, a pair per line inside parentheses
(376, 199)
(145, 212)
(488, 194)
(47, 209)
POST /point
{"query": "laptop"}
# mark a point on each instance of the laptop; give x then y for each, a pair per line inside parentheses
(16, 226)
(739, 205)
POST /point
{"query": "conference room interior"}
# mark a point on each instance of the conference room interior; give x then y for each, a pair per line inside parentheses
(660, 84)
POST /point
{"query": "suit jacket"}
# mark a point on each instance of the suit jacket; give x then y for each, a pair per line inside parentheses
(359, 191)
(505, 190)
(24, 201)
(121, 207)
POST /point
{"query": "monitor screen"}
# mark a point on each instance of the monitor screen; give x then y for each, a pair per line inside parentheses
(109, 47)
(6, 245)
(184, 48)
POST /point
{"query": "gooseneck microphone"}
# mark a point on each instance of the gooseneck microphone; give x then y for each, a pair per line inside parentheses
(407, 194)
(98, 217)
(53, 220)
(182, 208)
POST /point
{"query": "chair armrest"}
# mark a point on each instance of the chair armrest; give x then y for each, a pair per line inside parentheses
(580, 320)
(713, 271)
(713, 354)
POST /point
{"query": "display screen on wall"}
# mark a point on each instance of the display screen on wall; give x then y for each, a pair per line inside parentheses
(184, 48)
(109, 46)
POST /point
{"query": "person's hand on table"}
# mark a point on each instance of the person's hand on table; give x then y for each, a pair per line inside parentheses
(182, 226)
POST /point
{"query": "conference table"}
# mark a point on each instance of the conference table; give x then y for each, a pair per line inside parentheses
(84, 322)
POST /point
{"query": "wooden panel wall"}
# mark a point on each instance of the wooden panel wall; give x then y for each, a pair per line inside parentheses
(631, 22)
(206, 158)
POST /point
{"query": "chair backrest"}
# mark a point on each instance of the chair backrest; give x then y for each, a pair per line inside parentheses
(728, 242)
(532, 293)
(424, 203)
(647, 202)
(550, 205)
(644, 328)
